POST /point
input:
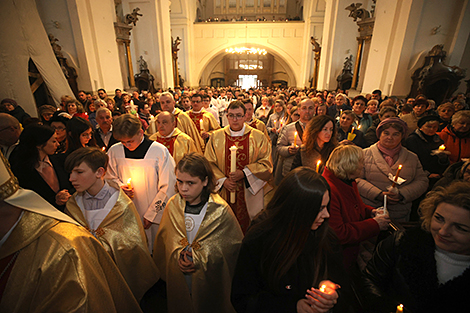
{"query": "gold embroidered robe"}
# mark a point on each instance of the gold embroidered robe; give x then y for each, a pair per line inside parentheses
(208, 121)
(215, 252)
(183, 144)
(186, 125)
(61, 268)
(259, 125)
(122, 235)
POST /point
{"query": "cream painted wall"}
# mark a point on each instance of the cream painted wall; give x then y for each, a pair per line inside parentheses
(402, 37)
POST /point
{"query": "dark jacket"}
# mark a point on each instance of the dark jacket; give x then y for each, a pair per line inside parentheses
(19, 113)
(403, 271)
(31, 179)
(423, 145)
(251, 293)
(100, 142)
(358, 140)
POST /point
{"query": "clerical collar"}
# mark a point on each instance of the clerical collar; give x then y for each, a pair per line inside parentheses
(170, 135)
(174, 110)
(237, 133)
(197, 112)
(140, 151)
(194, 209)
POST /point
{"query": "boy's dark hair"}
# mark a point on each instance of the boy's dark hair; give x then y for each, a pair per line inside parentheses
(93, 157)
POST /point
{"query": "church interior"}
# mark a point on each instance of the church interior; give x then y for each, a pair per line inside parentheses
(69, 45)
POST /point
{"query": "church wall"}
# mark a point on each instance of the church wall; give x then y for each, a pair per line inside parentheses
(402, 37)
(86, 34)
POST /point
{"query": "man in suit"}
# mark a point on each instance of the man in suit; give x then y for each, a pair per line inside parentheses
(104, 133)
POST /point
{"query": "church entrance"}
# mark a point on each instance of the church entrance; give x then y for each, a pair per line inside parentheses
(247, 81)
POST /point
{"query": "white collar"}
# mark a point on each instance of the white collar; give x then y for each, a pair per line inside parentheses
(237, 133)
(170, 135)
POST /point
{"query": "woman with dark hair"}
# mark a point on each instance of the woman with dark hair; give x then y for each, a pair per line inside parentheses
(319, 140)
(36, 171)
(79, 134)
(363, 120)
(425, 269)
(11, 107)
(289, 251)
(198, 240)
(381, 163)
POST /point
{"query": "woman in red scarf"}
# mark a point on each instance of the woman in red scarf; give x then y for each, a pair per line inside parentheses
(381, 162)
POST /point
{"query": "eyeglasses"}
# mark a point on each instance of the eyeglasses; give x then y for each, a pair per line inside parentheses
(60, 128)
(233, 116)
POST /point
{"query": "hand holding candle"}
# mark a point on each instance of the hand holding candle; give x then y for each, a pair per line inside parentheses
(442, 148)
(233, 167)
(127, 188)
(295, 139)
(396, 176)
(400, 308)
(351, 135)
(323, 298)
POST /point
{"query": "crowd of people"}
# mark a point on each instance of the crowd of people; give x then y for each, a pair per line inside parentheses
(229, 200)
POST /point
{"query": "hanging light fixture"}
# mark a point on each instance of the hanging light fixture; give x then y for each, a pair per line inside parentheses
(246, 50)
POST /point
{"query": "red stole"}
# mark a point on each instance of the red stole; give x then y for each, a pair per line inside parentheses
(243, 159)
(196, 118)
(169, 143)
(253, 124)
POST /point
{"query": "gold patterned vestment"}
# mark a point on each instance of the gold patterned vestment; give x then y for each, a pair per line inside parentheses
(208, 121)
(186, 125)
(260, 163)
(215, 251)
(259, 125)
(122, 235)
(60, 267)
(182, 144)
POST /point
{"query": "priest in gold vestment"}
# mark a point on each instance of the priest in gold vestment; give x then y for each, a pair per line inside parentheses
(50, 264)
(177, 142)
(183, 121)
(251, 120)
(253, 165)
(204, 121)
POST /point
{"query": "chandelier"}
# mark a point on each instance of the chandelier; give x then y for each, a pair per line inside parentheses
(250, 67)
(242, 50)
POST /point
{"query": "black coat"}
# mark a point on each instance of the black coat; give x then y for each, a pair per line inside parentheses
(423, 145)
(403, 271)
(19, 113)
(251, 293)
(31, 179)
(100, 141)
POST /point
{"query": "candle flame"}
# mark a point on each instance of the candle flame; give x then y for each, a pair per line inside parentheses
(322, 288)
(400, 166)
(104, 148)
(318, 162)
(129, 181)
(295, 134)
(442, 147)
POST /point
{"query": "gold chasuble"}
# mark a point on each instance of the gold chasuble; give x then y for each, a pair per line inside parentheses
(178, 144)
(215, 251)
(254, 153)
(60, 267)
(184, 123)
(122, 235)
(259, 125)
(208, 121)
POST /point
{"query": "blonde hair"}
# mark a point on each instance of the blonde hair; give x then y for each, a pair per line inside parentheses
(126, 126)
(455, 194)
(344, 160)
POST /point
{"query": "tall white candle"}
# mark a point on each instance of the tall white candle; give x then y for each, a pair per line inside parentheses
(385, 204)
(233, 167)
(201, 125)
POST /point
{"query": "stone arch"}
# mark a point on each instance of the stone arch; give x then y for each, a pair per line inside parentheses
(283, 58)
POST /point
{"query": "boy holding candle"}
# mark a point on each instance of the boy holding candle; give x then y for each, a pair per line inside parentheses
(253, 164)
(150, 167)
(109, 215)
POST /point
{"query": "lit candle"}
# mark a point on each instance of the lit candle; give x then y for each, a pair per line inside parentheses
(322, 288)
(295, 139)
(396, 176)
(351, 135)
(399, 308)
(352, 131)
(233, 167)
(201, 125)
(129, 185)
(318, 165)
(442, 148)
(104, 148)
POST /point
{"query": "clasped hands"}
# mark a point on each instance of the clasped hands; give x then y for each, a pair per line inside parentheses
(317, 300)
(185, 262)
(231, 182)
(62, 197)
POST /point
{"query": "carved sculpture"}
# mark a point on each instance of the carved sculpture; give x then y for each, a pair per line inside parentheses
(70, 73)
(356, 13)
(345, 78)
(435, 79)
(142, 64)
(174, 51)
(144, 80)
(55, 47)
(317, 49)
(133, 17)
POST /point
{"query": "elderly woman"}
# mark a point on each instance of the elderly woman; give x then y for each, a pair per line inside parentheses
(456, 136)
(459, 171)
(371, 134)
(372, 107)
(426, 269)
(351, 219)
(11, 107)
(445, 111)
(345, 128)
(381, 162)
(423, 141)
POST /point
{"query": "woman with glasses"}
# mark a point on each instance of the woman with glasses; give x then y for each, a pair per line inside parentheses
(59, 124)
